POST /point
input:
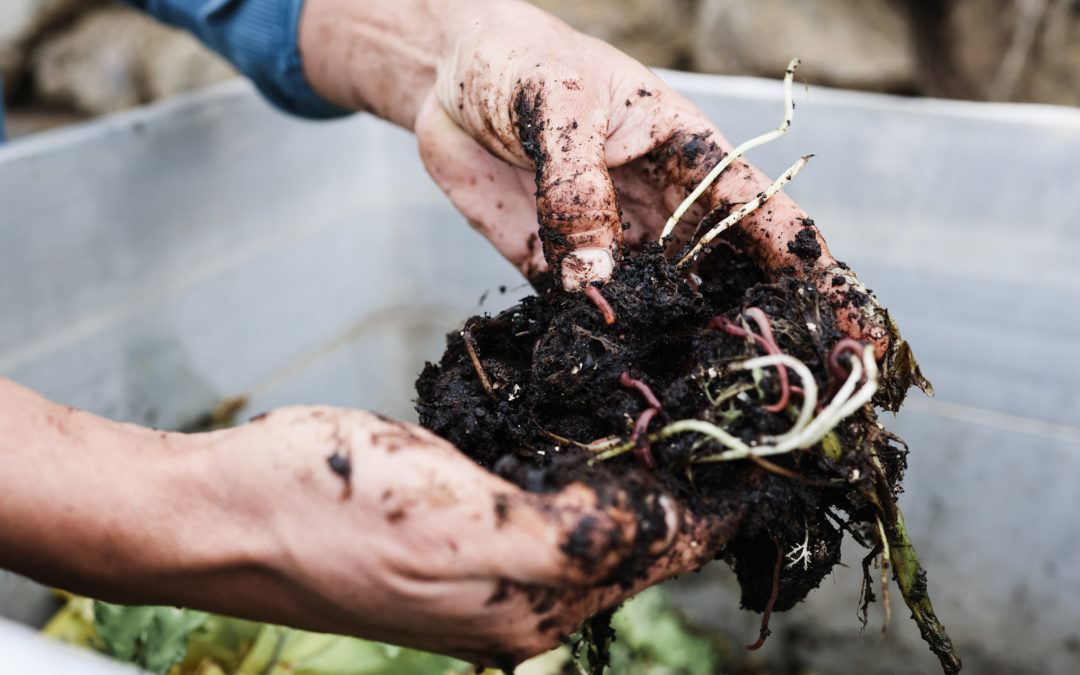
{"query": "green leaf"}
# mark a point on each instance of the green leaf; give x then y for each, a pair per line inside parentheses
(900, 370)
(652, 638)
(153, 638)
(285, 651)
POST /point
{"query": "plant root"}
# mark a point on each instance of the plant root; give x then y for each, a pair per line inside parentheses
(766, 340)
(765, 632)
(744, 210)
(746, 146)
(885, 561)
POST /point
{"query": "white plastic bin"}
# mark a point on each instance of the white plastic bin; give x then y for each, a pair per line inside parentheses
(157, 262)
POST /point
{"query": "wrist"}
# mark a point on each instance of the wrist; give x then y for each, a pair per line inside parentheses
(378, 55)
(114, 510)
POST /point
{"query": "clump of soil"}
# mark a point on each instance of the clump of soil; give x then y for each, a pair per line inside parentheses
(557, 381)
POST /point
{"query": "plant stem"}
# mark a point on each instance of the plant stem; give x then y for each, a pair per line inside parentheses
(909, 573)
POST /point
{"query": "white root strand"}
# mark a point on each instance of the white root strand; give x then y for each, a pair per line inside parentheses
(746, 209)
(789, 111)
(842, 405)
(807, 429)
(806, 379)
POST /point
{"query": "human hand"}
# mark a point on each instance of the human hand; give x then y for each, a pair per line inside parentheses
(417, 545)
(332, 520)
(522, 121)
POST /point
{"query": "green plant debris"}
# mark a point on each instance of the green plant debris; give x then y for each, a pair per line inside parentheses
(153, 638)
(185, 642)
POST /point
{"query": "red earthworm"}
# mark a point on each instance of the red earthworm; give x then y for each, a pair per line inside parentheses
(643, 452)
(767, 342)
(650, 398)
(594, 294)
(837, 371)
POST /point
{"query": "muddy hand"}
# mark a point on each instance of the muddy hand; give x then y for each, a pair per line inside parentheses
(516, 132)
(522, 120)
(586, 117)
(389, 533)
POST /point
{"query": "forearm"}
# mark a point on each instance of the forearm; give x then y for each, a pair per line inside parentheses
(114, 510)
(377, 55)
(383, 55)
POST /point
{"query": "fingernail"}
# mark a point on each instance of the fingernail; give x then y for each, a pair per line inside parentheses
(586, 265)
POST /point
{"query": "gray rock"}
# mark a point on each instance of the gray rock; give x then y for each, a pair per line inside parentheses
(114, 58)
(655, 33)
(858, 44)
(21, 22)
(1018, 50)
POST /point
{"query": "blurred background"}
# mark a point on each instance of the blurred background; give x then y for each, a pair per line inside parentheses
(67, 59)
(154, 269)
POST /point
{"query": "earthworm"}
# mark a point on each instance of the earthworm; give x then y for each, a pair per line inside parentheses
(767, 342)
(643, 452)
(837, 369)
(837, 372)
(762, 321)
(594, 294)
(650, 398)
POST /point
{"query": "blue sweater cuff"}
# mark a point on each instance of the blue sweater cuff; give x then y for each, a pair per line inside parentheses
(259, 37)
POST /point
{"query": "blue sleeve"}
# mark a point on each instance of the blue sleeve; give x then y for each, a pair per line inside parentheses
(259, 37)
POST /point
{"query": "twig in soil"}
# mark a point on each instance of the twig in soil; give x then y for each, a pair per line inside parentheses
(745, 210)
(470, 347)
(595, 446)
(746, 146)
(764, 633)
(593, 293)
(650, 398)
(779, 470)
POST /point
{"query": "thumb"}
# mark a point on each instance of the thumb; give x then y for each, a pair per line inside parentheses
(564, 134)
(494, 196)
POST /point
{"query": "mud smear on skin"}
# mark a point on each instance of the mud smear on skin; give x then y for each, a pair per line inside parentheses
(556, 369)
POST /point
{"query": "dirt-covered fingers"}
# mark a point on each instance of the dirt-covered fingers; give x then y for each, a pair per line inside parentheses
(579, 537)
(857, 314)
(563, 132)
(687, 156)
(655, 184)
(556, 612)
(494, 196)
